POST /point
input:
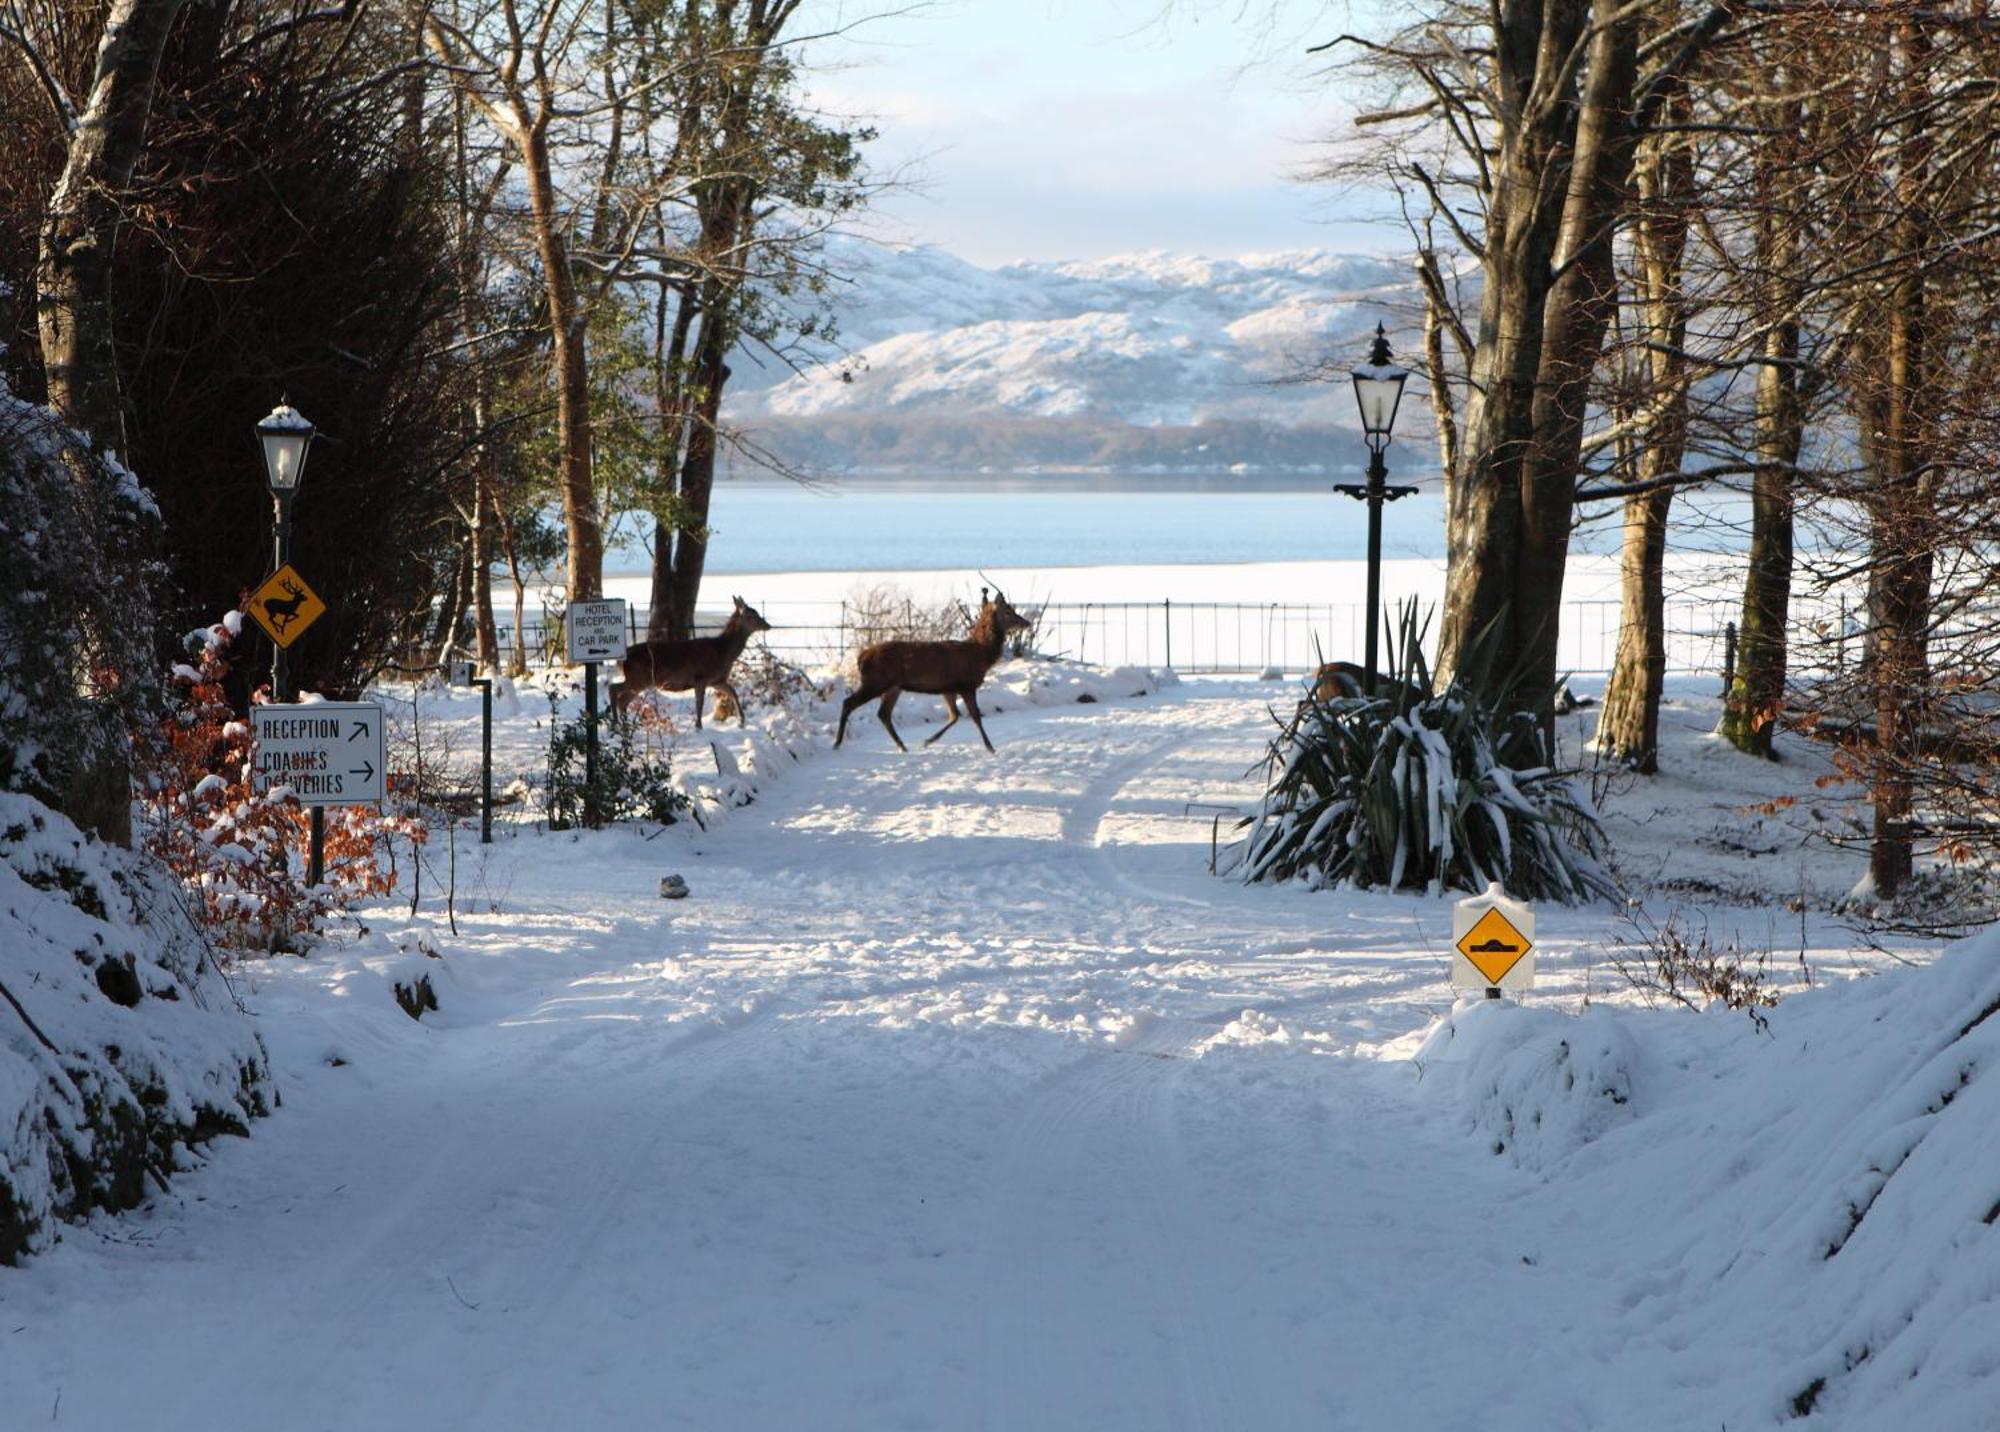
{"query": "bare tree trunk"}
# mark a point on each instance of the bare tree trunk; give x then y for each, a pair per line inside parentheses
(670, 391)
(1437, 313)
(482, 570)
(1757, 695)
(1493, 495)
(1559, 182)
(571, 362)
(1902, 518)
(517, 660)
(1580, 305)
(445, 630)
(697, 480)
(1629, 728)
(80, 230)
(74, 307)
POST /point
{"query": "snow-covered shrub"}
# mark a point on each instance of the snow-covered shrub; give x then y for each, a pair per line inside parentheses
(119, 1048)
(243, 856)
(763, 678)
(76, 615)
(1535, 1084)
(631, 781)
(1412, 789)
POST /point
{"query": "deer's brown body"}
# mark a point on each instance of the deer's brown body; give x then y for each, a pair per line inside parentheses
(1338, 679)
(951, 669)
(694, 665)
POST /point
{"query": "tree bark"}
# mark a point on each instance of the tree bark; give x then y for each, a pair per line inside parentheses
(1756, 695)
(482, 569)
(1629, 727)
(1902, 519)
(697, 479)
(1485, 614)
(570, 361)
(73, 299)
(1560, 175)
(80, 228)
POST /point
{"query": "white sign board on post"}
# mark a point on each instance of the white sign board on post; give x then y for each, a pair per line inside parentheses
(325, 752)
(596, 631)
(1493, 942)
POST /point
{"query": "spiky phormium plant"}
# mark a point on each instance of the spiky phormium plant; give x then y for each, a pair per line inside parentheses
(1409, 787)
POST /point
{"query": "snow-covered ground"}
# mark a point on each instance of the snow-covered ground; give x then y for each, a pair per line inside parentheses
(959, 1095)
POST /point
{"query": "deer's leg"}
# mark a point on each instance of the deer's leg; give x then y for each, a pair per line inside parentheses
(951, 705)
(847, 708)
(882, 715)
(700, 692)
(972, 705)
(734, 700)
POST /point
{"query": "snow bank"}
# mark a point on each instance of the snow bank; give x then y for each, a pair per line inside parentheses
(118, 1053)
(1839, 1163)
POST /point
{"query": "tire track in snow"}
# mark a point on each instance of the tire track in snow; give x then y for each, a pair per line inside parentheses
(1096, 1308)
(438, 1275)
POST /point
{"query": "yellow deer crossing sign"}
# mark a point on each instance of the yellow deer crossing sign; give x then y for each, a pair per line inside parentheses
(1493, 939)
(285, 606)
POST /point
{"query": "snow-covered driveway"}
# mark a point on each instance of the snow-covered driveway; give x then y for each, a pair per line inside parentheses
(958, 1096)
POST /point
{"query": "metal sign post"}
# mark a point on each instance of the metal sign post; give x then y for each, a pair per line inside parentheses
(1493, 943)
(596, 634)
(461, 675)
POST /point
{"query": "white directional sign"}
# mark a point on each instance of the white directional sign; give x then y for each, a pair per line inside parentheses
(324, 752)
(459, 673)
(596, 630)
(1493, 942)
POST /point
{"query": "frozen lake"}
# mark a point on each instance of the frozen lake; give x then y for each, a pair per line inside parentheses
(1083, 521)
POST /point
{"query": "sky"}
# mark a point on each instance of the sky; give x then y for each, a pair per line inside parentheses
(1037, 129)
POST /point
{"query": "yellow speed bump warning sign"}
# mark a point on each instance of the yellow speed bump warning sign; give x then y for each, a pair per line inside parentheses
(1493, 942)
(285, 606)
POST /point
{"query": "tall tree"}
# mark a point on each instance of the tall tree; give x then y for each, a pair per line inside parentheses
(1521, 121)
(103, 134)
(1629, 727)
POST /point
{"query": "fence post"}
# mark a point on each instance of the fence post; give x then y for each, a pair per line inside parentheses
(1840, 643)
(1728, 658)
(1170, 633)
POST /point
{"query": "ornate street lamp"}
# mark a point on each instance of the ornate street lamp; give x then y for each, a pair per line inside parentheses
(285, 435)
(1378, 391)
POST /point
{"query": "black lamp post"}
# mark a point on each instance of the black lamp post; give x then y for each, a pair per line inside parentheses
(1378, 389)
(285, 435)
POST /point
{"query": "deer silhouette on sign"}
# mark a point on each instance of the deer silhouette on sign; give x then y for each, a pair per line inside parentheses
(283, 611)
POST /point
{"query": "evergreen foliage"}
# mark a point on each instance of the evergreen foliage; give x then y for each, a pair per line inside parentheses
(630, 782)
(1414, 788)
(76, 617)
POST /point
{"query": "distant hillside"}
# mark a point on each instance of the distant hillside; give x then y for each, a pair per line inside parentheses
(1004, 443)
(1145, 360)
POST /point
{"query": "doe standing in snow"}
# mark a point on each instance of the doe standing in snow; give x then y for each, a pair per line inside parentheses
(692, 665)
(951, 669)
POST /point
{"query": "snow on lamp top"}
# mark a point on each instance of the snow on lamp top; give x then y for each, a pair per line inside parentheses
(1378, 390)
(285, 434)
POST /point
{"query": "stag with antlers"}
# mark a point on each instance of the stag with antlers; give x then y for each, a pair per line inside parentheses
(691, 665)
(951, 669)
(283, 611)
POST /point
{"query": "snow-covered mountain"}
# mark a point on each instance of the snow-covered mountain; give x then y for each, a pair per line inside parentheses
(1146, 341)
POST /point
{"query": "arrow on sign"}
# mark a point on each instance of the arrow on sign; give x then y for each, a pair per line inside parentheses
(360, 730)
(367, 771)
